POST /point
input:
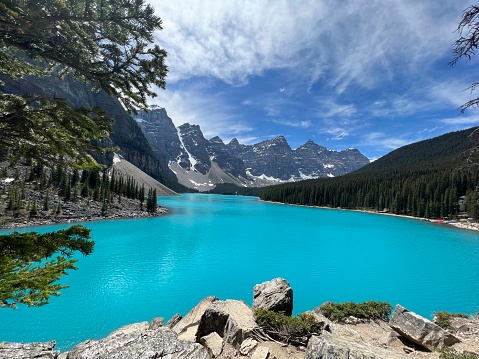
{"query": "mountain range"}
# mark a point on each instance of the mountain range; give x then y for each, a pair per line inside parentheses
(202, 164)
(435, 178)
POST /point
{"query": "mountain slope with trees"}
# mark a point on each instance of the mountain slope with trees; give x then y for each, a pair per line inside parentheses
(424, 179)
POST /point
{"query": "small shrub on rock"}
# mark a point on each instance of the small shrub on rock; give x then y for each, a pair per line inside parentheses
(372, 310)
(450, 353)
(443, 319)
(294, 330)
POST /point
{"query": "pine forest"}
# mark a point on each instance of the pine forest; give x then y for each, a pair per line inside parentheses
(435, 178)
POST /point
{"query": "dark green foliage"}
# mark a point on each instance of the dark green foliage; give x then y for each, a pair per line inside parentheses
(104, 207)
(367, 310)
(46, 199)
(231, 189)
(151, 200)
(424, 179)
(450, 353)
(443, 319)
(109, 43)
(286, 328)
(34, 279)
(34, 209)
(28, 268)
(106, 43)
(49, 130)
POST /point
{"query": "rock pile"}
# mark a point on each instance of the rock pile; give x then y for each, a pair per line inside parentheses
(227, 329)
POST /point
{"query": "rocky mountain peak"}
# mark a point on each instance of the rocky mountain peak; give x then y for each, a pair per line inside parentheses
(157, 115)
(195, 145)
(188, 129)
(201, 163)
(278, 143)
(234, 142)
(310, 145)
(218, 140)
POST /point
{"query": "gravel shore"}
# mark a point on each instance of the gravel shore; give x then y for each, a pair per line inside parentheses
(81, 210)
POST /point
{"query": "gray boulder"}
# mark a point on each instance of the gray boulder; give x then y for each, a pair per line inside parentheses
(328, 346)
(275, 295)
(186, 328)
(37, 350)
(324, 322)
(156, 323)
(213, 343)
(137, 341)
(248, 346)
(233, 320)
(261, 353)
(420, 330)
(173, 321)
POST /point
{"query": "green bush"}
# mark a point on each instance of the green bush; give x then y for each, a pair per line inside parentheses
(450, 353)
(368, 310)
(286, 328)
(443, 319)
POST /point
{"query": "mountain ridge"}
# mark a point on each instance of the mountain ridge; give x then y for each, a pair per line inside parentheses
(191, 156)
(126, 133)
(435, 178)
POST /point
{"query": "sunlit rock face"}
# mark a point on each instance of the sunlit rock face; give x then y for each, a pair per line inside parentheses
(202, 164)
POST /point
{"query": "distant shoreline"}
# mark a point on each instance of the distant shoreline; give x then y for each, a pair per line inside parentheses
(467, 226)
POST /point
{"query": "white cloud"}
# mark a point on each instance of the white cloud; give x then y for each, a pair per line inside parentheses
(361, 65)
(246, 140)
(383, 141)
(461, 120)
(358, 42)
(292, 123)
(399, 105)
(430, 130)
(452, 93)
(230, 40)
(340, 136)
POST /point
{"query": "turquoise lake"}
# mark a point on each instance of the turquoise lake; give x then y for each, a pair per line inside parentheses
(224, 245)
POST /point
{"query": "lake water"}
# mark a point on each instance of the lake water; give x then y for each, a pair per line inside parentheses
(224, 245)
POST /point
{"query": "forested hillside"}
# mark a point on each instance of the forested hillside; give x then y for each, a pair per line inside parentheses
(424, 179)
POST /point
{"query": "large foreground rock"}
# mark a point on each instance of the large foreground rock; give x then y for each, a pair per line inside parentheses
(420, 330)
(275, 295)
(139, 342)
(327, 346)
(233, 320)
(188, 325)
(37, 350)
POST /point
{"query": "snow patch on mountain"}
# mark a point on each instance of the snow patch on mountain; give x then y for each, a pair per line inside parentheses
(200, 163)
(191, 159)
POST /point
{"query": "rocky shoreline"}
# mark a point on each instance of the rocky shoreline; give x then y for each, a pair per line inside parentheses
(32, 200)
(80, 210)
(229, 329)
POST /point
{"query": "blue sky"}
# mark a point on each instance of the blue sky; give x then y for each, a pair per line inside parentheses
(368, 74)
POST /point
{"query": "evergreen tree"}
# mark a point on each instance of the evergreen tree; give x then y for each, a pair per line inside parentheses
(34, 209)
(46, 206)
(110, 45)
(141, 196)
(151, 201)
(26, 278)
